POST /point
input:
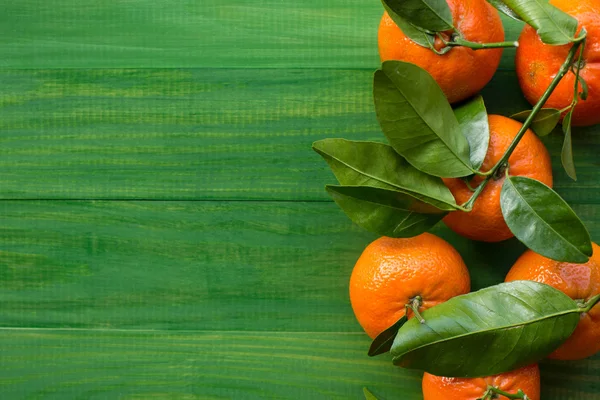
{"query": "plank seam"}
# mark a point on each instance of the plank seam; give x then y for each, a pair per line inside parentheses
(174, 331)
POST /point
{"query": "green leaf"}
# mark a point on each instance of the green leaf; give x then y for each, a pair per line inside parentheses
(385, 212)
(493, 330)
(419, 36)
(566, 156)
(543, 221)
(373, 164)
(417, 119)
(503, 8)
(383, 341)
(368, 395)
(431, 15)
(552, 25)
(543, 123)
(473, 120)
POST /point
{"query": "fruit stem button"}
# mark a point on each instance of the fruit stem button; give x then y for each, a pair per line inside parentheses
(494, 393)
(414, 305)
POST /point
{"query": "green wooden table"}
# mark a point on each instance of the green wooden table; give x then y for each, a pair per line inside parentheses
(164, 232)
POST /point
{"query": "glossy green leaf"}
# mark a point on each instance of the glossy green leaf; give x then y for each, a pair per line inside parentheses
(543, 123)
(417, 35)
(383, 342)
(417, 119)
(543, 221)
(552, 25)
(368, 394)
(493, 330)
(473, 120)
(566, 155)
(503, 8)
(431, 15)
(385, 212)
(374, 164)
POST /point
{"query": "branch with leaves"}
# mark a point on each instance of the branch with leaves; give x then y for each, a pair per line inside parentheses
(396, 190)
(425, 20)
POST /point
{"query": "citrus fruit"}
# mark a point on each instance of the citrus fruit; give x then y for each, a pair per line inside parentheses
(462, 72)
(526, 379)
(390, 273)
(530, 159)
(537, 64)
(579, 282)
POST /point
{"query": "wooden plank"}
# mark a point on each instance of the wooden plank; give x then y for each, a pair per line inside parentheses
(46, 364)
(268, 266)
(177, 265)
(204, 134)
(190, 33)
(174, 134)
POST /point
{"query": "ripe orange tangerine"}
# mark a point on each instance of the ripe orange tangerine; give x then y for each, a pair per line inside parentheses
(391, 273)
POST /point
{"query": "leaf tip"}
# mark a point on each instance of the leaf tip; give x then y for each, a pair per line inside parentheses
(321, 146)
(331, 189)
(316, 145)
(368, 395)
(375, 349)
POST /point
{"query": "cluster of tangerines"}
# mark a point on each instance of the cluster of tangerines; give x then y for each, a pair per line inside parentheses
(393, 273)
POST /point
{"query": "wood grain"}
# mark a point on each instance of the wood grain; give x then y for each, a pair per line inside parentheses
(194, 365)
(190, 33)
(167, 290)
(47, 364)
(177, 265)
(268, 266)
(205, 133)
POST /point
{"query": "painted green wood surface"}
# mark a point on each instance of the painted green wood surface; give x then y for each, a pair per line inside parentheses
(273, 267)
(170, 109)
(204, 133)
(193, 33)
(194, 365)
(196, 265)
(71, 364)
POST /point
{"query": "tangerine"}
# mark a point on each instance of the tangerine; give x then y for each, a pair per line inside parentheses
(579, 282)
(538, 63)
(462, 72)
(526, 379)
(485, 221)
(391, 273)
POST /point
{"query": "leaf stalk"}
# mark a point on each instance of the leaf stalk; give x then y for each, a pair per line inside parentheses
(467, 182)
(577, 74)
(591, 303)
(468, 206)
(459, 41)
